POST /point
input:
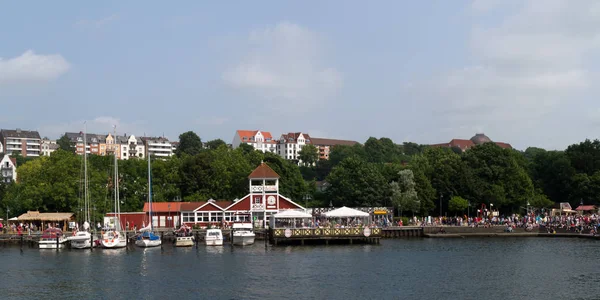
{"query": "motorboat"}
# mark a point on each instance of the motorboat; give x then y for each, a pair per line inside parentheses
(214, 237)
(112, 238)
(81, 239)
(52, 238)
(243, 233)
(184, 237)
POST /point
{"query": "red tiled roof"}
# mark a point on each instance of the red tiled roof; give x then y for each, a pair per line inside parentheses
(251, 133)
(263, 171)
(462, 144)
(189, 206)
(504, 145)
(294, 136)
(163, 206)
(586, 207)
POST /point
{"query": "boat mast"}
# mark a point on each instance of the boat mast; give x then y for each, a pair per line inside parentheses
(116, 183)
(85, 180)
(150, 194)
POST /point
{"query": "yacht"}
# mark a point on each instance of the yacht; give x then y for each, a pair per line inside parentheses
(48, 240)
(147, 237)
(214, 237)
(243, 233)
(115, 237)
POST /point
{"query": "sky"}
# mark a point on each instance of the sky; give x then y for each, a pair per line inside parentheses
(521, 72)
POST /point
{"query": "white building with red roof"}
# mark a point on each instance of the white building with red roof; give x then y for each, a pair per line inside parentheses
(260, 140)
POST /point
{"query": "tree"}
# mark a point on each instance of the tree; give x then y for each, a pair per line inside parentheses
(354, 182)
(189, 143)
(308, 155)
(65, 144)
(403, 193)
(540, 200)
(214, 144)
(585, 156)
(457, 204)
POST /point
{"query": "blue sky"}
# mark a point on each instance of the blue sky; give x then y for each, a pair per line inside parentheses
(424, 71)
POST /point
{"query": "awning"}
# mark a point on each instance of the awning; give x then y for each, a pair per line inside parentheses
(38, 216)
(345, 212)
(291, 214)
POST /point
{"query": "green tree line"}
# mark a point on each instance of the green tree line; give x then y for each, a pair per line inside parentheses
(415, 179)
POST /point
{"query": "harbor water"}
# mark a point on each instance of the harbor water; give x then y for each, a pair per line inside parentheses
(474, 268)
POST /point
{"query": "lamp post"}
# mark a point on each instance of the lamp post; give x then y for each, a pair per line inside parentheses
(169, 217)
(306, 198)
(440, 206)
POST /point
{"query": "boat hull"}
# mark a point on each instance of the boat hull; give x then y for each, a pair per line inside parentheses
(82, 240)
(214, 242)
(51, 244)
(113, 240)
(184, 241)
(146, 243)
(243, 240)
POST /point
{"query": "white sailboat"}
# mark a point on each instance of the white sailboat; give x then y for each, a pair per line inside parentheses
(82, 238)
(243, 231)
(147, 237)
(115, 237)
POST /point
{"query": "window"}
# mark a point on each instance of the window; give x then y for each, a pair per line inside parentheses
(257, 200)
(202, 217)
(188, 217)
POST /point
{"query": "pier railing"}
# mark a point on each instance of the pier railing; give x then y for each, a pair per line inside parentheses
(326, 232)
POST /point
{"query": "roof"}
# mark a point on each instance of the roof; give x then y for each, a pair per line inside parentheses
(293, 137)
(252, 133)
(462, 144)
(190, 206)
(504, 145)
(586, 207)
(73, 136)
(18, 133)
(344, 212)
(332, 142)
(38, 216)
(153, 138)
(163, 206)
(263, 171)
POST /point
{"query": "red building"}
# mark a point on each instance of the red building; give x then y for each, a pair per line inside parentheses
(464, 145)
(262, 201)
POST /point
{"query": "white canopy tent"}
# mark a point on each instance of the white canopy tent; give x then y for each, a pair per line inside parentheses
(291, 214)
(344, 212)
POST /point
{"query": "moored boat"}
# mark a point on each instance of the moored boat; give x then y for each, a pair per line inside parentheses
(81, 239)
(184, 237)
(243, 233)
(147, 237)
(49, 238)
(214, 237)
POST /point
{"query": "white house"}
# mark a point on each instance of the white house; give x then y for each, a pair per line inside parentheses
(48, 146)
(260, 140)
(8, 167)
(131, 147)
(291, 143)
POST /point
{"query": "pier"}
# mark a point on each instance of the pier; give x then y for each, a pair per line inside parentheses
(302, 236)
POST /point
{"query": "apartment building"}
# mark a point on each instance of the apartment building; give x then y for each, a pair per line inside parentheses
(94, 144)
(130, 146)
(8, 169)
(324, 146)
(260, 140)
(291, 143)
(27, 143)
(48, 146)
(158, 146)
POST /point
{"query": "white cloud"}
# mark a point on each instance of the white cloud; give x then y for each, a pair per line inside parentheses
(31, 67)
(91, 23)
(98, 125)
(284, 65)
(531, 63)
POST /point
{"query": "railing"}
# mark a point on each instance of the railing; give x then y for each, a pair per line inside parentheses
(267, 188)
(326, 232)
(258, 206)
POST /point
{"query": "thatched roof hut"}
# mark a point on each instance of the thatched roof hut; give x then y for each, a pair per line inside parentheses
(45, 217)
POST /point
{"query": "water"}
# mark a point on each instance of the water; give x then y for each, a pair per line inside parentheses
(492, 268)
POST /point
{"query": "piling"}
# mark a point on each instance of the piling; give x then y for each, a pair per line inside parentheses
(56, 242)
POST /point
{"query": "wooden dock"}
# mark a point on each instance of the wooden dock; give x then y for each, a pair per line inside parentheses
(302, 236)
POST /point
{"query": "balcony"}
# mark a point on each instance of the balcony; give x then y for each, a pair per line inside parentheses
(267, 188)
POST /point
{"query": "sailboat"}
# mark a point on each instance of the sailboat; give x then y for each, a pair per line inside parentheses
(115, 237)
(147, 238)
(82, 238)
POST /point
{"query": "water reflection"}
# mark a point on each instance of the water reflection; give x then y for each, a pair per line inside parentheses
(215, 249)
